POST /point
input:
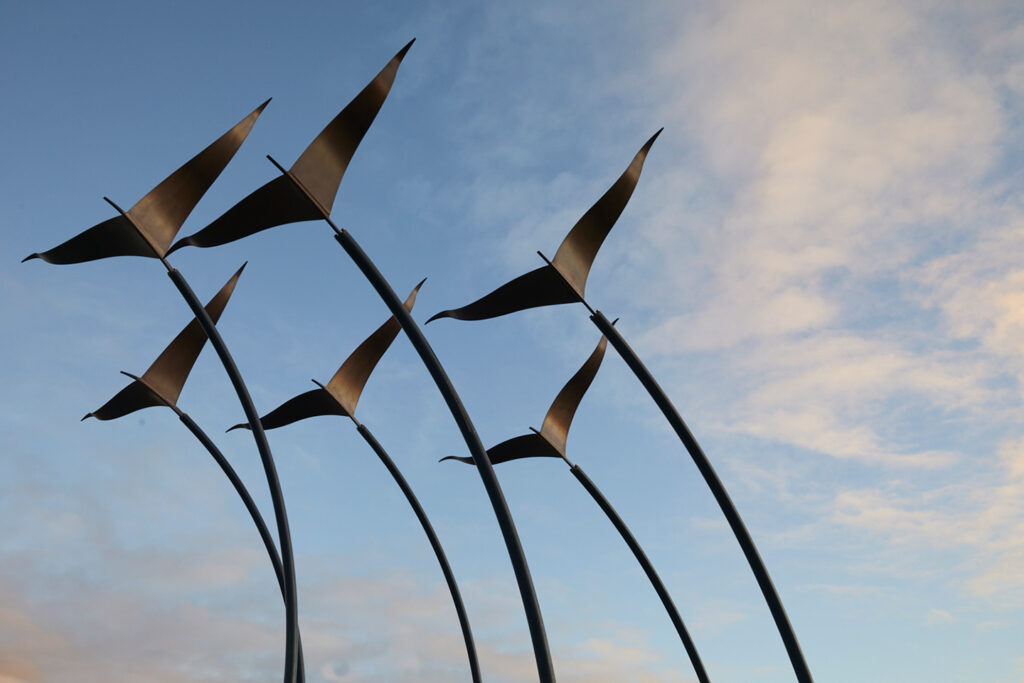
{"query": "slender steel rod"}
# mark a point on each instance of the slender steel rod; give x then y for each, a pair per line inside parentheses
(545, 670)
(250, 505)
(281, 516)
(467, 634)
(796, 657)
(659, 587)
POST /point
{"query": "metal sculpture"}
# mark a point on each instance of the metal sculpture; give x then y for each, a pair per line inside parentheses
(314, 181)
(161, 384)
(550, 441)
(146, 230)
(340, 397)
(562, 280)
(306, 191)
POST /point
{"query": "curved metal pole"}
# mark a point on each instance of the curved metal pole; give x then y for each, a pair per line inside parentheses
(250, 505)
(545, 670)
(796, 657)
(467, 634)
(659, 587)
(281, 517)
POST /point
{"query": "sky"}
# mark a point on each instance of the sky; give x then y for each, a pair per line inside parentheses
(821, 264)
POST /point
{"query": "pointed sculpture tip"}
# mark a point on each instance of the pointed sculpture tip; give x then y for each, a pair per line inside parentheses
(448, 457)
(442, 314)
(177, 245)
(647, 145)
(241, 425)
(86, 417)
(417, 287)
(401, 53)
(259, 110)
(31, 256)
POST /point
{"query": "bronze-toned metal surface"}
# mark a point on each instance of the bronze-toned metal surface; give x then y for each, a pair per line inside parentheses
(576, 254)
(564, 279)
(161, 384)
(309, 190)
(341, 394)
(555, 428)
(149, 227)
(549, 442)
(347, 384)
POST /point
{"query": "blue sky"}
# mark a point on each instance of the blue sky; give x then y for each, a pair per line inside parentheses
(821, 263)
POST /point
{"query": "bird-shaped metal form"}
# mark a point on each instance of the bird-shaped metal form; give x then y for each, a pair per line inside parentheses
(149, 227)
(564, 278)
(307, 190)
(549, 442)
(340, 397)
(341, 394)
(162, 383)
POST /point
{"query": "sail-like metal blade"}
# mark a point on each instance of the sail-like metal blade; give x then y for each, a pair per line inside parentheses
(348, 382)
(564, 279)
(162, 383)
(313, 403)
(169, 371)
(319, 170)
(276, 203)
(163, 211)
(540, 287)
(576, 254)
(149, 227)
(556, 423)
(322, 165)
(135, 396)
(113, 237)
(525, 446)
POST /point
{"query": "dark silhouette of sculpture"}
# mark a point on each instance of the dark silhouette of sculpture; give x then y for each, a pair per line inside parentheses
(149, 227)
(161, 385)
(562, 280)
(146, 230)
(306, 191)
(550, 441)
(340, 397)
(162, 382)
